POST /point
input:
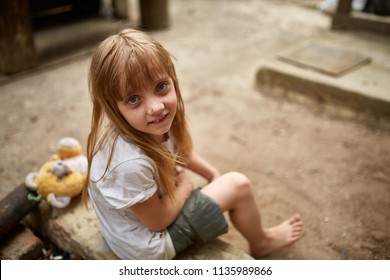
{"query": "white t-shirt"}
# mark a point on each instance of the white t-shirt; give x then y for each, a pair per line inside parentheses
(130, 179)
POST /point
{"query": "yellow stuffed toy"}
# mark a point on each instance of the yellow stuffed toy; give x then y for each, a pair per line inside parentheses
(63, 176)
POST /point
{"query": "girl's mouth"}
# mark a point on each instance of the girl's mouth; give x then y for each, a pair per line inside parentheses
(158, 120)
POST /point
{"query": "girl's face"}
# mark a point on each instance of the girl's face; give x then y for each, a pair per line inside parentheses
(151, 110)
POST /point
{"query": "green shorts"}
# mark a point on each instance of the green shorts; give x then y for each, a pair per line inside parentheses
(200, 219)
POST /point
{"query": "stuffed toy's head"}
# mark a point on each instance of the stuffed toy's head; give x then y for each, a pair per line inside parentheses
(68, 147)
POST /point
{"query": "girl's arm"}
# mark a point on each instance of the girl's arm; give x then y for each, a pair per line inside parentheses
(200, 166)
(158, 213)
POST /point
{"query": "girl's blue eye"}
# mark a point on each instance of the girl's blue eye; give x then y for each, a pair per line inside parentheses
(161, 86)
(133, 99)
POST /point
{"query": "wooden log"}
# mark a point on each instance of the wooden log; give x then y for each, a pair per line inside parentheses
(17, 52)
(154, 14)
(14, 207)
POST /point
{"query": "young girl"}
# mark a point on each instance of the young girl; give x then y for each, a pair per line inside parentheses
(139, 148)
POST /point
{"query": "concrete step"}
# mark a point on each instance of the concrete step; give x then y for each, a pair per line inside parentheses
(76, 231)
(360, 92)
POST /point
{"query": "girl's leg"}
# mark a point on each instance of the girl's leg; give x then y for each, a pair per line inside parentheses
(233, 192)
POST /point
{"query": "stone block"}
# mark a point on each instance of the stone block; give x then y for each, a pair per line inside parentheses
(76, 231)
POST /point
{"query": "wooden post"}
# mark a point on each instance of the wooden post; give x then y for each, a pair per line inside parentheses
(14, 207)
(17, 52)
(342, 15)
(154, 14)
(344, 7)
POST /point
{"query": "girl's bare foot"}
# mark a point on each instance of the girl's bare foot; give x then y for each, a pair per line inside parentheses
(280, 236)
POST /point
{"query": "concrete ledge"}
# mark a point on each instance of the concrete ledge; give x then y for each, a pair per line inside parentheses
(343, 96)
(76, 231)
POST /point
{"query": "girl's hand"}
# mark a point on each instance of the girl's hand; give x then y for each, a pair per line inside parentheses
(183, 180)
(215, 174)
(200, 166)
(179, 169)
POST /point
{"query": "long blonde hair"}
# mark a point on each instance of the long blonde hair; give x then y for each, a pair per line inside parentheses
(138, 58)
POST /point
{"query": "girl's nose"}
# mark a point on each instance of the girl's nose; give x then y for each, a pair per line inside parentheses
(155, 107)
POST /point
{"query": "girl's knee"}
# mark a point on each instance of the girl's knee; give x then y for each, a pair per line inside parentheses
(240, 182)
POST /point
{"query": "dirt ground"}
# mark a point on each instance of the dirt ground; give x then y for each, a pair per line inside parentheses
(334, 172)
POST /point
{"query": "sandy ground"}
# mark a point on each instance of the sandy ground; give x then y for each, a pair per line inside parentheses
(333, 172)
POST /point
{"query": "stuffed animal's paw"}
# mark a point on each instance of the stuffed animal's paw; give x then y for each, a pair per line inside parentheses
(30, 182)
(58, 202)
